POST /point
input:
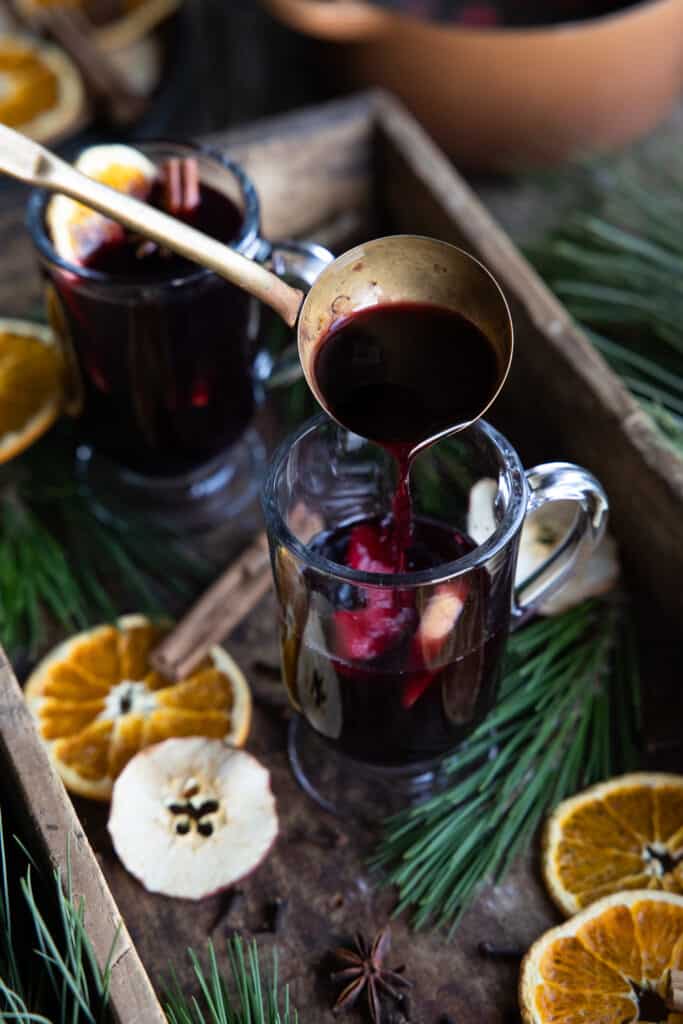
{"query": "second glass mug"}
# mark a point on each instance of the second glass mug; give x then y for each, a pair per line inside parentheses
(393, 716)
(168, 368)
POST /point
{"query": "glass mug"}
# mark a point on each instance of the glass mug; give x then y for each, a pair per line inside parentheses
(391, 716)
(168, 368)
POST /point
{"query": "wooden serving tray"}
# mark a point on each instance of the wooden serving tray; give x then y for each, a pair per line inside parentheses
(340, 173)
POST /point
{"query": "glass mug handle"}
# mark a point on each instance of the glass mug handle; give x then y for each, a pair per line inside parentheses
(561, 481)
(299, 263)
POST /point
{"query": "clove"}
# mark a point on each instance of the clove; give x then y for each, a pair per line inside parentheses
(229, 902)
(276, 912)
(493, 952)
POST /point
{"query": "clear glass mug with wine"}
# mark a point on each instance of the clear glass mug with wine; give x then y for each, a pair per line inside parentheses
(167, 353)
(393, 620)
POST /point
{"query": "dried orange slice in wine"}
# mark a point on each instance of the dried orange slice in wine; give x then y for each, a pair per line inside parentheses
(41, 91)
(608, 965)
(76, 230)
(97, 702)
(32, 384)
(623, 834)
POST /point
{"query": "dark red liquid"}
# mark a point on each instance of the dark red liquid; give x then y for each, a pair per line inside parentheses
(166, 371)
(411, 671)
(401, 373)
(399, 684)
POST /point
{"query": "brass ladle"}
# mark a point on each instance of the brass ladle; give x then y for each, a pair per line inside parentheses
(397, 268)
(406, 268)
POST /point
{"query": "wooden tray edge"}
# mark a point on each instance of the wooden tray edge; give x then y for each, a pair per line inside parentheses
(52, 818)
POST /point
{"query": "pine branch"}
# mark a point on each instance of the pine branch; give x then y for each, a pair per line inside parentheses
(567, 716)
(58, 559)
(49, 973)
(48, 968)
(254, 1001)
(618, 268)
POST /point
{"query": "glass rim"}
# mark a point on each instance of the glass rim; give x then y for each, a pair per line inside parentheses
(511, 523)
(249, 233)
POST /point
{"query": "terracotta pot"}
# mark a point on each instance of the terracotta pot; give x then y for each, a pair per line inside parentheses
(496, 98)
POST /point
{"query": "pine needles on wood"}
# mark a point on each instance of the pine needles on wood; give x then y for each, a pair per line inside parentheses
(618, 268)
(58, 559)
(250, 999)
(48, 970)
(567, 716)
(49, 973)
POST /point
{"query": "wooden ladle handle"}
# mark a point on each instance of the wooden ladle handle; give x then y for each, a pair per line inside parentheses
(24, 159)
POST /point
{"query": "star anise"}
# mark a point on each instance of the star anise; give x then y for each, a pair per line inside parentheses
(365, 970)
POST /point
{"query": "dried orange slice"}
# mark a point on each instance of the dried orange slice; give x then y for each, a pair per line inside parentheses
(97, 702)
(32, 384)
(41, 91)
(76, 230)
(608, 965)
(623, 834)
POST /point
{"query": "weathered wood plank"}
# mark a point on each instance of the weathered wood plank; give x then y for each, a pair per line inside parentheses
(313, 170)
(35, 788)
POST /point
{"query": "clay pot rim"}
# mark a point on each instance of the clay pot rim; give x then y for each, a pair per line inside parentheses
(357, 21)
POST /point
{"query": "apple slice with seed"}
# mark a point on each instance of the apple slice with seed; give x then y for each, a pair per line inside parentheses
(192, 816)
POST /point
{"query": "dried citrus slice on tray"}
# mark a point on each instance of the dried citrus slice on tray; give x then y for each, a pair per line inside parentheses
(623, 834)
(41, 91)
(76, 230)
(97, 702)
(32, 384)
(608, 965)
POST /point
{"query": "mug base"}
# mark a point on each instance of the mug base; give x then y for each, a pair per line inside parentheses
(354, 790)
(202, 499)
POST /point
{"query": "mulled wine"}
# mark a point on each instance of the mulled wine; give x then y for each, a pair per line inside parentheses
(403, 372)
(403, 678)
(162, 345)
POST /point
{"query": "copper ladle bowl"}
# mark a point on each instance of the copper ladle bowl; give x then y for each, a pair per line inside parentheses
(406, 268)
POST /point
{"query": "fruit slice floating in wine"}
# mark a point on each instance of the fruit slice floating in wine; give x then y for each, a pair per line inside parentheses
(77, 232)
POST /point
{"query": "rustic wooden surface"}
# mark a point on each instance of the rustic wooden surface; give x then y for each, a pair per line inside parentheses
(33, 788)
(318, 866)
(333, 174)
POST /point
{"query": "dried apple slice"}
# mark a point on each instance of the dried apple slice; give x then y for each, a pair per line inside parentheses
(595, 573)
(191, 816)
(317, 684)
(437, 622)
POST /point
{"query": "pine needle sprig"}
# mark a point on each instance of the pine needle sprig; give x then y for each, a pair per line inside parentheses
(59, 559)
(618, 268)
(567, 716)
(254, 1000)
(49, 973)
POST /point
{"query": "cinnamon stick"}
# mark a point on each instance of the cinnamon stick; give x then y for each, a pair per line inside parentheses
(674, 995)
(226, 602)
(72, 30)
(181, 185)
(218, 611)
